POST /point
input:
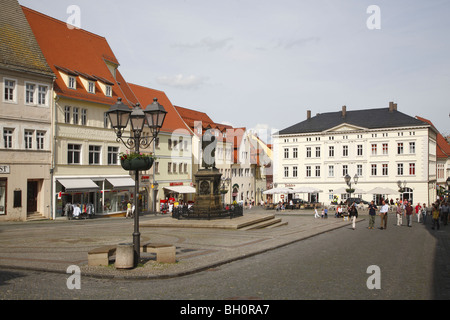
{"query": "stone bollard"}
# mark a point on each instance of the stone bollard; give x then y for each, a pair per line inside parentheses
(125, 256)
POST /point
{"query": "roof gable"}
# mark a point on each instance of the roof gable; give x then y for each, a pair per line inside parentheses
(173, 121)
(78, 53)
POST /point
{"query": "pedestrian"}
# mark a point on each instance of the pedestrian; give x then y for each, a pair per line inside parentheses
(435, 216)
(424, 213)
(408, 213)
(384, 215)
(129, 210)
(353, 214)
(444, 212)
(399, 214)
(418, 211)
(339, 211)
(316, 214)
(372, 213)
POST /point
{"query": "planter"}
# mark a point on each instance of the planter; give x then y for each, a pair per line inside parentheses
(350, 190)
(139, 164)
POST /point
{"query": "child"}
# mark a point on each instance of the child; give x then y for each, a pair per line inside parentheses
(316, 214)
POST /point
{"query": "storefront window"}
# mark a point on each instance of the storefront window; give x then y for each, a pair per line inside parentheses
(105, 200)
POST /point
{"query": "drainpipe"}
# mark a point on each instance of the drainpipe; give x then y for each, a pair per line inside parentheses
(53, 184)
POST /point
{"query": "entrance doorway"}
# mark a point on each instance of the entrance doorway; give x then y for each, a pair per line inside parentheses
(407, 195)
(32, 195)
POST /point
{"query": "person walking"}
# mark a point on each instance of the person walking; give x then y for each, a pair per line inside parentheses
(353, 214)
(418, 211)
(316, 214)
(424, 213)
(129, 210)
(435, 216)
(399, 214)
(384, 215)
(409, 212)
(372, 213)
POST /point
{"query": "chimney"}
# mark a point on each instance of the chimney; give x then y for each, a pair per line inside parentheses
(344, 111)
(392, 107)
(308, 114)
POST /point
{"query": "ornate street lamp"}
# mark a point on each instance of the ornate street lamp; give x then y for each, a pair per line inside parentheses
(348, 181)
(401, 186)
(153, 116)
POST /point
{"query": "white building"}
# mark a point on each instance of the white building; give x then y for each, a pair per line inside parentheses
(380, 146)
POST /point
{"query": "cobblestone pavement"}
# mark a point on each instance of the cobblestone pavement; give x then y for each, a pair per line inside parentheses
(56, 245)
(413, 261)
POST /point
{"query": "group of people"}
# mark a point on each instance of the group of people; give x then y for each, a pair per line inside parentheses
(437, 211)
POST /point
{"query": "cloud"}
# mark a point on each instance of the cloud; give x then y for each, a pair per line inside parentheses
(208, 43)
(181, 81)
(297, 42)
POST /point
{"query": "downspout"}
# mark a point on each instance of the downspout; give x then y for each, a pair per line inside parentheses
(52, 170)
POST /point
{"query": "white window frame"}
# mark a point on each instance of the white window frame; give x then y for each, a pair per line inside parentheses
(40, 140)
(8, 138)
(72, 83)
(95, 155)
(28, 139)
(30, 93)
(12, 90)
(73, 151)
(42, 95)
(91, 87)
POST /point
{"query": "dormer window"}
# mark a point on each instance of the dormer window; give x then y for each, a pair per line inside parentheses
(91, 87)
(108, 91)
(72, 83)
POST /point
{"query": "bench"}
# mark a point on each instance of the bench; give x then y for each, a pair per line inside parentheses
(165, 253)
(100, 256)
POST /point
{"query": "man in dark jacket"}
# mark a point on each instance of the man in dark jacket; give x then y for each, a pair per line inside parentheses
(409, 212)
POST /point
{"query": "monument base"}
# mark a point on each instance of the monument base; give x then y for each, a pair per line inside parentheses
(208, 198)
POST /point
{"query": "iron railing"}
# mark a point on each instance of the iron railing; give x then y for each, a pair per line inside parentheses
(183, 212)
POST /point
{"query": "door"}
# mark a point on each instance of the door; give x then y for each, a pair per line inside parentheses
(32, 193)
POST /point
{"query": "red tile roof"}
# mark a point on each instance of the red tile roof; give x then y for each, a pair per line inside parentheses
(173, 120)
(78, 52)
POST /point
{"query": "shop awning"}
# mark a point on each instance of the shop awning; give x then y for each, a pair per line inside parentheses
(122, 182)
(181, 189)
(78, 185)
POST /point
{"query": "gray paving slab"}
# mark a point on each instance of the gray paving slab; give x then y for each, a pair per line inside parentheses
(53, 246)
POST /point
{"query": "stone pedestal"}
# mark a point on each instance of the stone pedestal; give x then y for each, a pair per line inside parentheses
(208, 197)
(125, 256)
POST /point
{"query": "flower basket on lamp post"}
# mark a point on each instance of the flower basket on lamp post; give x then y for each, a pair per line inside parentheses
(135, 161)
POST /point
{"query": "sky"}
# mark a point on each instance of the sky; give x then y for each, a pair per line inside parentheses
(262, 64)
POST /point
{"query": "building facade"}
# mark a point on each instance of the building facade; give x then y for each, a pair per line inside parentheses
(382, 147)
(26, 85)
(85, 165)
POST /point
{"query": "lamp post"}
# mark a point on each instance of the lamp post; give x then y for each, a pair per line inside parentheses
(348, 181)
(401, 186)
(153, 116)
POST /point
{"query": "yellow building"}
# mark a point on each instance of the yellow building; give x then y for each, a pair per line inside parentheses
(86, 170)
